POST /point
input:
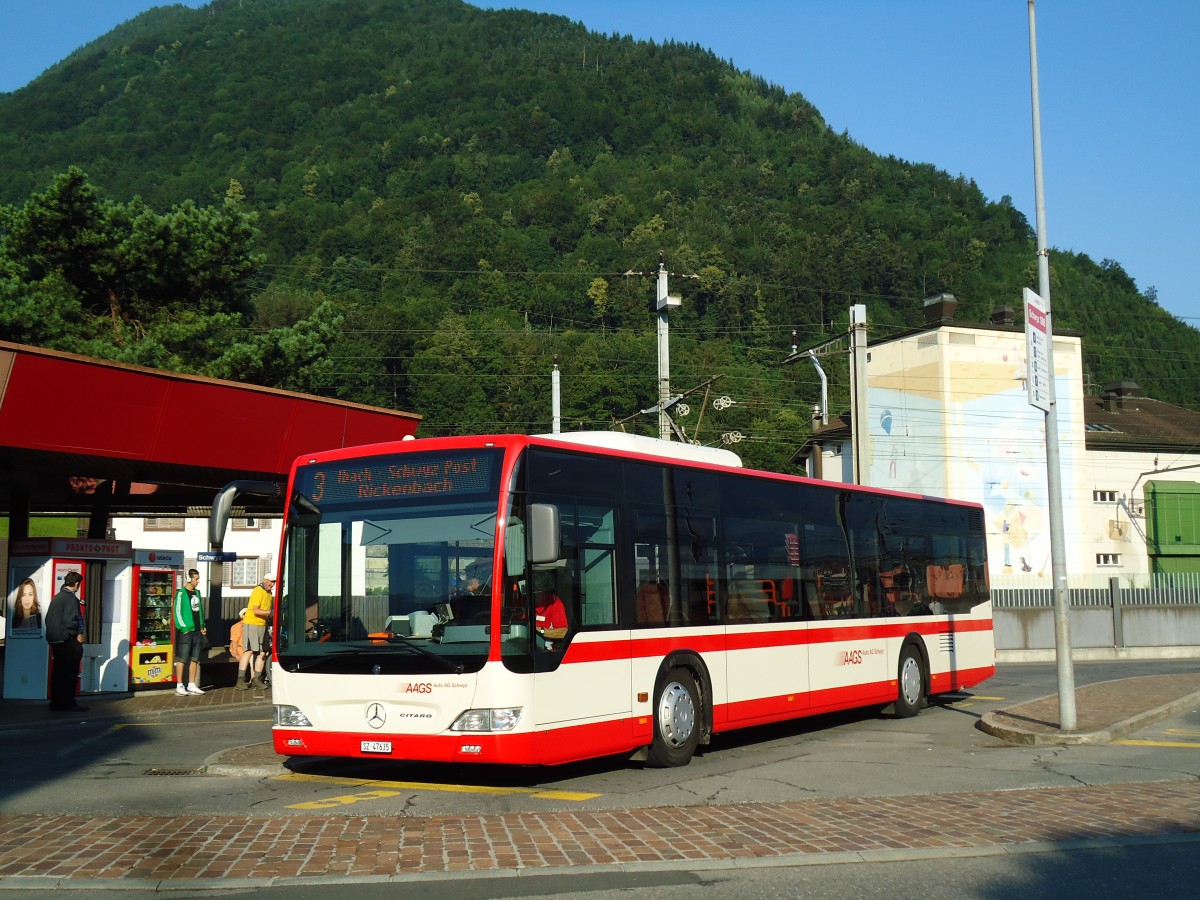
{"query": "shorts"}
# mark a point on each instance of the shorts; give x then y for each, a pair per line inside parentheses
(253, 637)
(188, 646)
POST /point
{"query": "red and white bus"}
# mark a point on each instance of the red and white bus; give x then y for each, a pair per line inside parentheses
(541, 600)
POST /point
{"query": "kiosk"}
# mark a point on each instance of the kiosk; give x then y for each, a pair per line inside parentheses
(106, 567)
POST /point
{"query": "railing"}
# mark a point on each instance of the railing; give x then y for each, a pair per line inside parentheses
(1163, 589)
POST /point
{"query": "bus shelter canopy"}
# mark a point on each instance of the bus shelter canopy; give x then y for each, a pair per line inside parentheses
(88, 437)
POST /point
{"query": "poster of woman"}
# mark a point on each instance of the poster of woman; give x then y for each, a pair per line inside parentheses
(26, 617)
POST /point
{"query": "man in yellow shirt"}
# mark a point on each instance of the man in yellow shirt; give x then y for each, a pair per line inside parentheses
(254, 633)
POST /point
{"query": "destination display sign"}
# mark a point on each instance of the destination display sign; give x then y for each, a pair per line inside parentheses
(1039, 379)
(399, 477)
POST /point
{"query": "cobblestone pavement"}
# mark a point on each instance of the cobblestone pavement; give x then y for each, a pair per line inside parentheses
(141, 851)
(128, 852)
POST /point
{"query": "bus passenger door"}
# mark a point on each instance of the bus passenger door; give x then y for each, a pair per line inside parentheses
(848, 649)
(581, 681)
(765, 630)
(767, 658)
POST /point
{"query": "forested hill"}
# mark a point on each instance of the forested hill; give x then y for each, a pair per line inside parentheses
(443, 199)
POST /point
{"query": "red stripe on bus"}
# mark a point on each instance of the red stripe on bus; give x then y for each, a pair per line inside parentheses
(748, 638)
(551, 746)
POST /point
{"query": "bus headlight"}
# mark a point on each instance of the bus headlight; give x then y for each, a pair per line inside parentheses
(291, 717)
(488, 719)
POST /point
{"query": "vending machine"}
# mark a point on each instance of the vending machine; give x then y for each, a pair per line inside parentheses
(157, 574)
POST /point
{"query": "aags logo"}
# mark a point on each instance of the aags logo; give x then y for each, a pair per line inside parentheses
(422, 688)
(851, 658)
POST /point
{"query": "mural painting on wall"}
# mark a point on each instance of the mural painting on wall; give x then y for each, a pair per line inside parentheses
(1015, 501)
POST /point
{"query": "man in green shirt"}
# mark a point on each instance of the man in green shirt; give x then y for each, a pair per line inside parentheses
(189, 635)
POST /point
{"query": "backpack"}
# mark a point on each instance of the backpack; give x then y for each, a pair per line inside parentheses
(235, 640)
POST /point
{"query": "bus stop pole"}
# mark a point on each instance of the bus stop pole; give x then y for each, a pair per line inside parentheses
(1062, 607)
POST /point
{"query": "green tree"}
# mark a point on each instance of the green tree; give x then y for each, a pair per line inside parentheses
(119, 281)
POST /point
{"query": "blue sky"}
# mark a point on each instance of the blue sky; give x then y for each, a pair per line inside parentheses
(945, 82)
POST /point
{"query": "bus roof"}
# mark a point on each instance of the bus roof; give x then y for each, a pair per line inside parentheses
(648, 446)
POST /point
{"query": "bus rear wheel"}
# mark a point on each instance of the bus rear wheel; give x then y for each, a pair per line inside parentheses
(910, 677)
(676, 720)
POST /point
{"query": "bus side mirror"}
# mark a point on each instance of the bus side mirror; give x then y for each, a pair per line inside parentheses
(543, 533)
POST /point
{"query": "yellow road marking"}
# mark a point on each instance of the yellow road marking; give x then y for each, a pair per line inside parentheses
(331, 802)
(1195, 745)
(964, 700)
(1183, 732)
(574, 796)
(391, 788)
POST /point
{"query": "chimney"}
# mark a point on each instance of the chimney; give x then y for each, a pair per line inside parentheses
(939, 309)
(1002, 316)
(1117, 392)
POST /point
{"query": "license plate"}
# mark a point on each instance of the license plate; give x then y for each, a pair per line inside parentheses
(376, 746)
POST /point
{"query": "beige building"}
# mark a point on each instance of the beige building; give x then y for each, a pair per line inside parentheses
(949, 416)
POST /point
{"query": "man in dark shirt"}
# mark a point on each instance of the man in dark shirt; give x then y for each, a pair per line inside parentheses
(64, 634)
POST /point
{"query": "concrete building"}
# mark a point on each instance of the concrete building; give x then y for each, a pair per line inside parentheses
(255, 540)
(949, 416)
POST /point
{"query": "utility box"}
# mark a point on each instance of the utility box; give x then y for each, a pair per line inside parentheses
(1173, 525)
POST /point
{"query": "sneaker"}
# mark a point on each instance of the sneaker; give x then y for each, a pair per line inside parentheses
(193, 689)
(181, 690)
(241, 685)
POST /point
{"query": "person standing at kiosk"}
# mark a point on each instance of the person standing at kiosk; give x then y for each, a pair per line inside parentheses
(64, 634)
(189, 635)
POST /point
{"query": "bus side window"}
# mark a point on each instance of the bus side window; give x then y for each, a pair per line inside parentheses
(652, 602)
(597, 565)
(748, 603)
(810, 608)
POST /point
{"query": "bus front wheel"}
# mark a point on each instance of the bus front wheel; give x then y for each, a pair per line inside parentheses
(910, 695)
(676, 720)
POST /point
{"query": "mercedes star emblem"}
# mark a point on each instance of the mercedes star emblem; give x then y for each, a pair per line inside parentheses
(376, 715)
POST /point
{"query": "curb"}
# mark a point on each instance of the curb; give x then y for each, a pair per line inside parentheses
(216, 764)
(1015, 734)
(218, 768)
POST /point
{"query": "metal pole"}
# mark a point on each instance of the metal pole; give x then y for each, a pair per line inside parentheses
(858, 380)
(555, 400)
(1058, 563)
(824, 388)
(664, 357)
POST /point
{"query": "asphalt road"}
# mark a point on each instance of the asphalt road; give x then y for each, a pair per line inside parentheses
(151, 765)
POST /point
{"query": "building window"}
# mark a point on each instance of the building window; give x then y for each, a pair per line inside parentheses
(248, 524)
(246, 571)
(1108, 559)
(1104, 496)
(161, 523)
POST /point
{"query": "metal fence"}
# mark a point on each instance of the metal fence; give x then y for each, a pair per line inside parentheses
(1164, 589)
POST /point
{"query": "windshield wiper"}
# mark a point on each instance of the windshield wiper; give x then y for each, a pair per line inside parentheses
(400, 640)
(455, 668)
(317, 660)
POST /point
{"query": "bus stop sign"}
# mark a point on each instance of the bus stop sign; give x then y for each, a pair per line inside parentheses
(216, 556)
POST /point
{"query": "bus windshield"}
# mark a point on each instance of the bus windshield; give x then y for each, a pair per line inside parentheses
(388, 563)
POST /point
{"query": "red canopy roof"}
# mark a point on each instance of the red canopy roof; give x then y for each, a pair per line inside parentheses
(68, 421)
